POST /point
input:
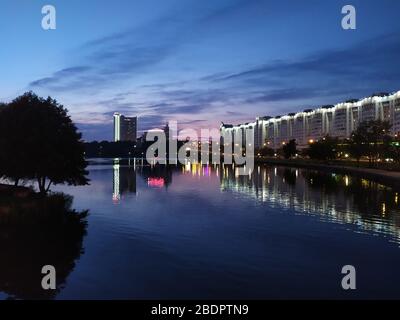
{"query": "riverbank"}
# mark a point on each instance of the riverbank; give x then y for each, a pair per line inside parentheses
(386, 177)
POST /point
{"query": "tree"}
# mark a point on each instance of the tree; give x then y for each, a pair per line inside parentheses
(265, 152)
(394, 150)
(40, 142)
(289, 149)
(13, 159)
(371, 139)
(357, 146)
(324, 149)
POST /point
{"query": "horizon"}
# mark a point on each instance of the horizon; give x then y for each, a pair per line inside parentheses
(197, 63)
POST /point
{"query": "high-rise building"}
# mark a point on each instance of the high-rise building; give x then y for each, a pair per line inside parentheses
(125, 128)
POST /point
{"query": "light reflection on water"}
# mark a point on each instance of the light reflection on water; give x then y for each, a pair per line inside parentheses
(332, 197)
(199, 231)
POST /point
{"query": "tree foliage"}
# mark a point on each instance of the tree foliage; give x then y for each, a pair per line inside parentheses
(371, 139)
(324, 149)
(265, 152)
(393, 150)
(289, 149)
(40, 142)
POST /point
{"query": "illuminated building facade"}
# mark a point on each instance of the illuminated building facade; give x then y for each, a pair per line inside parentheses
(125, 128)
(310, 125)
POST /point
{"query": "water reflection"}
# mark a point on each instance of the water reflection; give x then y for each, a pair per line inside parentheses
(157, 176)
(274, 233)
(197, 169)
(333, 197)
(124, 181)
(30, 238)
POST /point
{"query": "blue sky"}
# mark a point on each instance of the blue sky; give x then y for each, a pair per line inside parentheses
(198, 62)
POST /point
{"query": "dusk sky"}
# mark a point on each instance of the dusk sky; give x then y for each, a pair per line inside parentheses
(198, 62)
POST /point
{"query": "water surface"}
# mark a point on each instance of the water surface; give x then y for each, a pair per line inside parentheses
(205, 232)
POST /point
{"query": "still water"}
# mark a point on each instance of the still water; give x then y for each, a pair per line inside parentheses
(205, 232)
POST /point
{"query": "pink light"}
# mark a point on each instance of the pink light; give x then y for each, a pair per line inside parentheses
(155, 182)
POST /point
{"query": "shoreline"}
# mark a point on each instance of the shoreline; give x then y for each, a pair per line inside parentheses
(385, 177)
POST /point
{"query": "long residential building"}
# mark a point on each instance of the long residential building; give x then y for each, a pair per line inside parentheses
(310, 125)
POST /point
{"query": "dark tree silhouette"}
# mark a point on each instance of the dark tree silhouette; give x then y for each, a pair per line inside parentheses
(265, 152)
(324, 149)
(37, 231)
(357, 144)
(371, 139)
(289, 149)
(394, 149)
(40, 142)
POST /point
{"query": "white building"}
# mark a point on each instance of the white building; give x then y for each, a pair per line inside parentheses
(125, 128)
(338, 120)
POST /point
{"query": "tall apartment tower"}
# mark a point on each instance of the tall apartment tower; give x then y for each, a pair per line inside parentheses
(125, 128)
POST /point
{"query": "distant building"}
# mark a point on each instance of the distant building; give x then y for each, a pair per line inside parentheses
(338, 120)
(125, 128)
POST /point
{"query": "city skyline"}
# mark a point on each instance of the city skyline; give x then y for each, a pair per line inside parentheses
(197, 63)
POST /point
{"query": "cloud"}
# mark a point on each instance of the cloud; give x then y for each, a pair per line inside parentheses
(62, 77)
(98, 131)
(283, 95)
(115, 58)
(370, 65)
(322, 78)
(150, 122)
(234, 113)
(191, 122)
(126, 68)
(126, 54)
(186, 109)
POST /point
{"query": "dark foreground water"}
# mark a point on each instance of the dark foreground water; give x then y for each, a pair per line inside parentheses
(204, 232)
